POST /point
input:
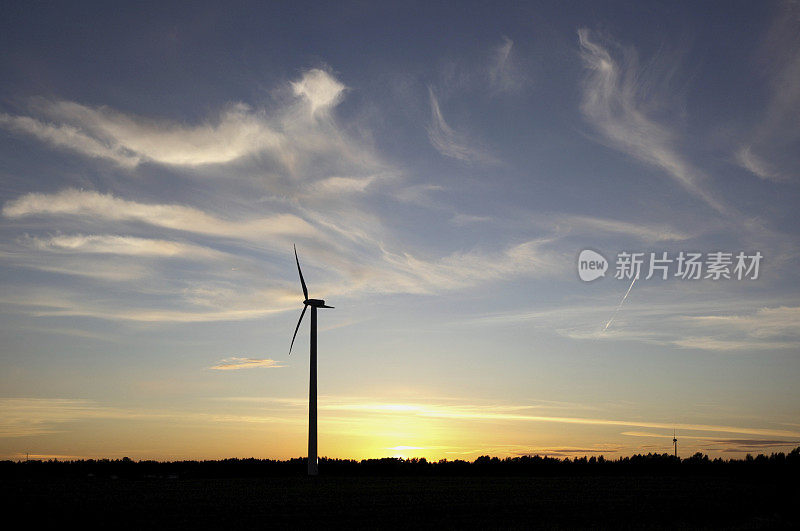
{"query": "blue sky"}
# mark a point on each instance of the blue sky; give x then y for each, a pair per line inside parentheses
(440, 167)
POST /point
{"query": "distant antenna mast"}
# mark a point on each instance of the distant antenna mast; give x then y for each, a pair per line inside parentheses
(675, 443)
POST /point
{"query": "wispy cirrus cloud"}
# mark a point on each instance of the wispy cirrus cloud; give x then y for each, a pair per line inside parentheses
(764, 322)
(235, 363)
(320, 89)
(304, 134)
(460, 410)
(406, 273)
(113, 269)
(95, 206)
(616, 103)
(29, 417)
(592, 225)
(101, 132)
(343, 185)
(289, 134)
(69, 137)
(118, 245)
(201, 301)
(109, 257)
(246, 296)
(771, 150)
(723, 345)
(365, 267)
(753, 163)
(504, 75)
(449, 142)
(564, 224)
(763, 329)
(706, 325)
(21, 417)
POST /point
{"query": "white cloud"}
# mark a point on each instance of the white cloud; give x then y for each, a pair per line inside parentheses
(763, 323)
(702, 325)
(762, 329)
(757, 166)
(450, 143)
(22, 417)
(406, 273)
(722, 345)
(237, 132)
(26, 417)
(146, 292)
(120, 245)
(96, 206)
(69, 137)
(503, 74)
(590, 224)
(494, 412)
(343, 185)
(234, 363)
(320, 89)
(563, 225)
(772, 145)
(145, 315)
(107, 269)
(616, 102)
(364, 266)
(287, 134)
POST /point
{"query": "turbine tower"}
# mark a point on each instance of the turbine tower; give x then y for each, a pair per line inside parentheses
(313, 470)
(675, 443)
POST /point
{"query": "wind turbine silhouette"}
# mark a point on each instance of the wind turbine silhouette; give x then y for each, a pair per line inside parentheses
(313, 469)
(675, 442)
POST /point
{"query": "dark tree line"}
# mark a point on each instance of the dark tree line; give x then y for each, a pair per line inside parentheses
(778, 464)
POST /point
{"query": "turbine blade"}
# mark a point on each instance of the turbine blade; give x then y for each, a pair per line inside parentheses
(303, 282)
(297, 327)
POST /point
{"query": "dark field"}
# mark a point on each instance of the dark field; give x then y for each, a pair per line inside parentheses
(407, 502)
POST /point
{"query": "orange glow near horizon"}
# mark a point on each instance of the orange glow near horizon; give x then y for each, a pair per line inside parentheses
(352, 428)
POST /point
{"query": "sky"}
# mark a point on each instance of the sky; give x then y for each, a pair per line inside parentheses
(440, 167)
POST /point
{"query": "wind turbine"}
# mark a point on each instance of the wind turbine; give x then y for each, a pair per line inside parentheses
(313, 469)
(675, 442)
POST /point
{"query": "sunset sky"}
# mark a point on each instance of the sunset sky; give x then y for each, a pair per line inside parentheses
(440, 168)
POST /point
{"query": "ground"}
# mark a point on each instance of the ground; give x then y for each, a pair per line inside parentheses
(406, 502)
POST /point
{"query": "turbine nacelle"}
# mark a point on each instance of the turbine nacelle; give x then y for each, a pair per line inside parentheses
(317, 303)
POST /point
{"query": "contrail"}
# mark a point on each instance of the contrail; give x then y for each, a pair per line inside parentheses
(620, 304)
